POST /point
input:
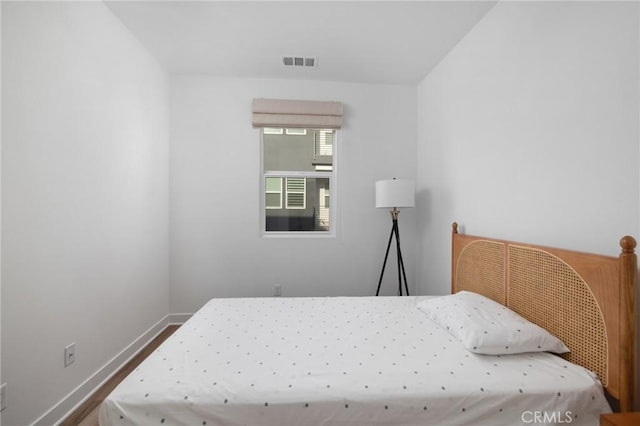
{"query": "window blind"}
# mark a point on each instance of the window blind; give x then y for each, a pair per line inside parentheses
(296, 114)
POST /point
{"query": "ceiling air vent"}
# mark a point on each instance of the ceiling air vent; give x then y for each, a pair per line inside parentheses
(299, 61)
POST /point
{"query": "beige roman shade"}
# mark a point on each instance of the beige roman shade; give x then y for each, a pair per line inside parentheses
(293, 113)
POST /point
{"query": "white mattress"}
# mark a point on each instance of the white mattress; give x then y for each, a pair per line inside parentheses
(339, 361)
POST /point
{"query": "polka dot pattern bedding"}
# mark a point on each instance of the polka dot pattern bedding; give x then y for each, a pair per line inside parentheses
(342, 361)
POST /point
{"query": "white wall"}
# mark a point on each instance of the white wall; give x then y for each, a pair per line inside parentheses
(529, 130)
(0, 208)
(85, 114)
(216, 248)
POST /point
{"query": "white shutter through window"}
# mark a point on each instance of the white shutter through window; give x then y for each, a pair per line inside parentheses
(296, 193)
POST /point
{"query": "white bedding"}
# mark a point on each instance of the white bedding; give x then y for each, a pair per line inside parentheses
(339, 361)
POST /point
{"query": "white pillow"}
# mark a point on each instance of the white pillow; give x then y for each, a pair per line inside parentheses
(486, 327)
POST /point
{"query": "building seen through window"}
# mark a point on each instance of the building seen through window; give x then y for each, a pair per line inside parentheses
(299, 175)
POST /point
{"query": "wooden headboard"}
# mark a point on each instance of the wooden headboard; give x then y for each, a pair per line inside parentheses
(586, 300)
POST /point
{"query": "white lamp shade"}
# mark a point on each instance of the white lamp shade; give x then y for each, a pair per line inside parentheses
(395, 193)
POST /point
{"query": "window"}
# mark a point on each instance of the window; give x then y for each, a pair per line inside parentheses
(298, 179)
(300, 132)
(273, 193)
(298, 164)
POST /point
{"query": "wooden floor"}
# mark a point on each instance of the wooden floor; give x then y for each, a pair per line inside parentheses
(87, 413)
(91, 419)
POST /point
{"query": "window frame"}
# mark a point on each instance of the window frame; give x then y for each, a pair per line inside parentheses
(333, 192)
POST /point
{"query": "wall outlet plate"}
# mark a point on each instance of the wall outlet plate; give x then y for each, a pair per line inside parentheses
(277, 290)
(3, 396)
(69, 354)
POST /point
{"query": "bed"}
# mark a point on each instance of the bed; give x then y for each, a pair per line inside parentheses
(386, 361)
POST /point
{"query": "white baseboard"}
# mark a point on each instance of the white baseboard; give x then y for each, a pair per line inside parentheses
(178, 318)
(79, 395)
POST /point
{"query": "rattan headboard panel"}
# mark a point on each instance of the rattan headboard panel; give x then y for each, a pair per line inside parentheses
(568, 309)
(587, 300)
(481, 269)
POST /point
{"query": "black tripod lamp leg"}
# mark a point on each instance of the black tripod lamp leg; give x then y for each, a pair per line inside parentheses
(384, 264)
(400, 264)
(399, 256)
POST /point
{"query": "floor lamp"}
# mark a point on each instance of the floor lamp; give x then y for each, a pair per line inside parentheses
(395, 193)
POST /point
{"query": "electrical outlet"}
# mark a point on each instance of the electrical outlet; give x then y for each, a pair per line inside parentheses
(69, 354)
(277, 290)
(3, 397)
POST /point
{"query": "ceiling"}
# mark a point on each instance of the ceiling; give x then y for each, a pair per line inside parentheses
(389, 42)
